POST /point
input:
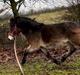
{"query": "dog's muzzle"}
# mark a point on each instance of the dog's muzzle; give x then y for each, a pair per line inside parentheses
(10, 37)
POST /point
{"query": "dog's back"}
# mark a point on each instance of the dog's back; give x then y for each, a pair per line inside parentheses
(54, 34)
(57, 32)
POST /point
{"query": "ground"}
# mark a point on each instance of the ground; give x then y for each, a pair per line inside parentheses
(37, 63)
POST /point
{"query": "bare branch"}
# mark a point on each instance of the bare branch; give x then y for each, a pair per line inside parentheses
(2, 10)
(20, 1)
(8, 3)
(19, 6)
(7, 11)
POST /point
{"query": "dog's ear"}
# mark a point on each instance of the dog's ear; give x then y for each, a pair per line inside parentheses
(12, 19)
(11, 22)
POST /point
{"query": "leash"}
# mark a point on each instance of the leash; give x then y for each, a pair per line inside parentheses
(15, 51)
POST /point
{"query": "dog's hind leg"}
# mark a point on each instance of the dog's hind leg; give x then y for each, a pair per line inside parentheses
(69, 53)
(62, 58)
(48, 55)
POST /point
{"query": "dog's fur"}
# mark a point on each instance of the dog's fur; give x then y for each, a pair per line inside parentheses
(39, 34)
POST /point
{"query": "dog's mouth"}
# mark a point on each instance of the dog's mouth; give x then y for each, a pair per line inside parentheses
(10, 37)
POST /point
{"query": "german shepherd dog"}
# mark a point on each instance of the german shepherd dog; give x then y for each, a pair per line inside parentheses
(42, 37)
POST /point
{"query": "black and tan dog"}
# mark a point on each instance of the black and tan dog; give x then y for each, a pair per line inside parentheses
(40, 36)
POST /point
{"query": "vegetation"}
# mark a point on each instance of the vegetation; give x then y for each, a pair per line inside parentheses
(74, 10)
(41, 67)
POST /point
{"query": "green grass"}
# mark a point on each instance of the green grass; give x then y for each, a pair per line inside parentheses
(41, 67)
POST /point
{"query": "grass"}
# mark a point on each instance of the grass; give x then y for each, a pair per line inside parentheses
(49, 18)
(40, 67)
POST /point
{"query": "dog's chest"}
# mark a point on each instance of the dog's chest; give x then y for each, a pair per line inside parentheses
(35, 41)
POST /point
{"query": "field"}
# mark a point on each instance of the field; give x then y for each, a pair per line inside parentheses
(42, 67)
(51, 17)
(37, 64)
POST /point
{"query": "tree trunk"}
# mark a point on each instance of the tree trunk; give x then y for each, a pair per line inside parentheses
(14, 8)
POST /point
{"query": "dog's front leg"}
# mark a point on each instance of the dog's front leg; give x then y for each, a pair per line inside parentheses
(25, 53)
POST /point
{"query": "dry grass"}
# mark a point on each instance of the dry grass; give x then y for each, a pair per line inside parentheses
(48, 18)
